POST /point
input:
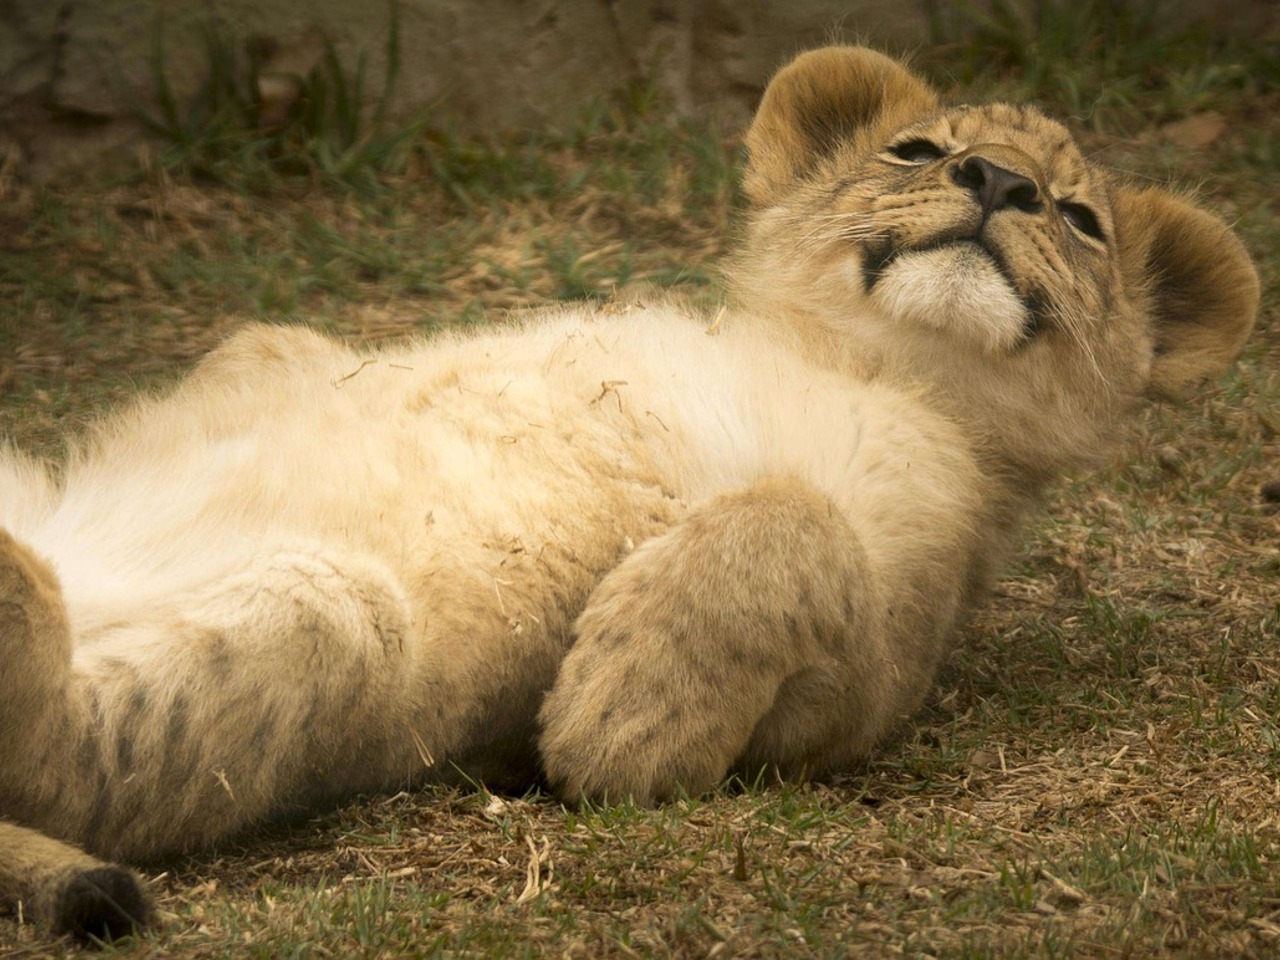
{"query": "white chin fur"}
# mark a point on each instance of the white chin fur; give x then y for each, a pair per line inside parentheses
(955, 290)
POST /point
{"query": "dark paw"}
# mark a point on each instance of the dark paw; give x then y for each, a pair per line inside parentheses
(104, 903)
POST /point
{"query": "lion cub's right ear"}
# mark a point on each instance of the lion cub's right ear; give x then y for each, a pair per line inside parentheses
(820, 100)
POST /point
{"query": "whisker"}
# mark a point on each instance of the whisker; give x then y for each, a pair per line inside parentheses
(1073, 321)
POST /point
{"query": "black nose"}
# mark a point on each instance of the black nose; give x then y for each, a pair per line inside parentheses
(996, 188)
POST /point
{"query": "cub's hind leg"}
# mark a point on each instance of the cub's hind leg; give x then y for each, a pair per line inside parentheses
(57, 885)
(67, 891)
(35, 656)
(268, 689)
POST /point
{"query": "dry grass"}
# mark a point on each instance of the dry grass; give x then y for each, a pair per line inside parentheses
(1097, 775)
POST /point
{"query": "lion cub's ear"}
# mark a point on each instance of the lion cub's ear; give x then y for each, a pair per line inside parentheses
(1201, 286)
(820, 100)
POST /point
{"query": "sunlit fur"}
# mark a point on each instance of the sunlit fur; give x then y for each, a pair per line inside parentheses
(611, 546)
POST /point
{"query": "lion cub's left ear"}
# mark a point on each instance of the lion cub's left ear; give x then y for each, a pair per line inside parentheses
(821, 100)
(1201, 287)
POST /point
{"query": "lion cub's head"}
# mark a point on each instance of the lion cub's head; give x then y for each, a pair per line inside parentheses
(973, 251)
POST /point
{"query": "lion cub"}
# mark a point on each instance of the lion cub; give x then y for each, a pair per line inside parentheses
(607, 546)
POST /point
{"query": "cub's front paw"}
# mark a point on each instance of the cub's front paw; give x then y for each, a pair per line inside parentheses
(619, 724)
(684, 647)
(654, 698)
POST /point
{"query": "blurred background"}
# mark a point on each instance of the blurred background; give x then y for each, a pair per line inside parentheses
(84, 82)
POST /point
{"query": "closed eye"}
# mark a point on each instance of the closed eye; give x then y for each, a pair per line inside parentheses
(918, 151)
(1081, 218)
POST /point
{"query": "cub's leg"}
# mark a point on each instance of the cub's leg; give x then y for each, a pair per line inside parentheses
(271, 688)
(689, 643)
(67, 891)
(35, 657)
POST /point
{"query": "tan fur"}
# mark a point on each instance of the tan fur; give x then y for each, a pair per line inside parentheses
(607, 545)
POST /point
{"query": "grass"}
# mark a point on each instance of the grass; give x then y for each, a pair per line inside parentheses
(235, 130)
(1131, 63)
(1095, 774)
